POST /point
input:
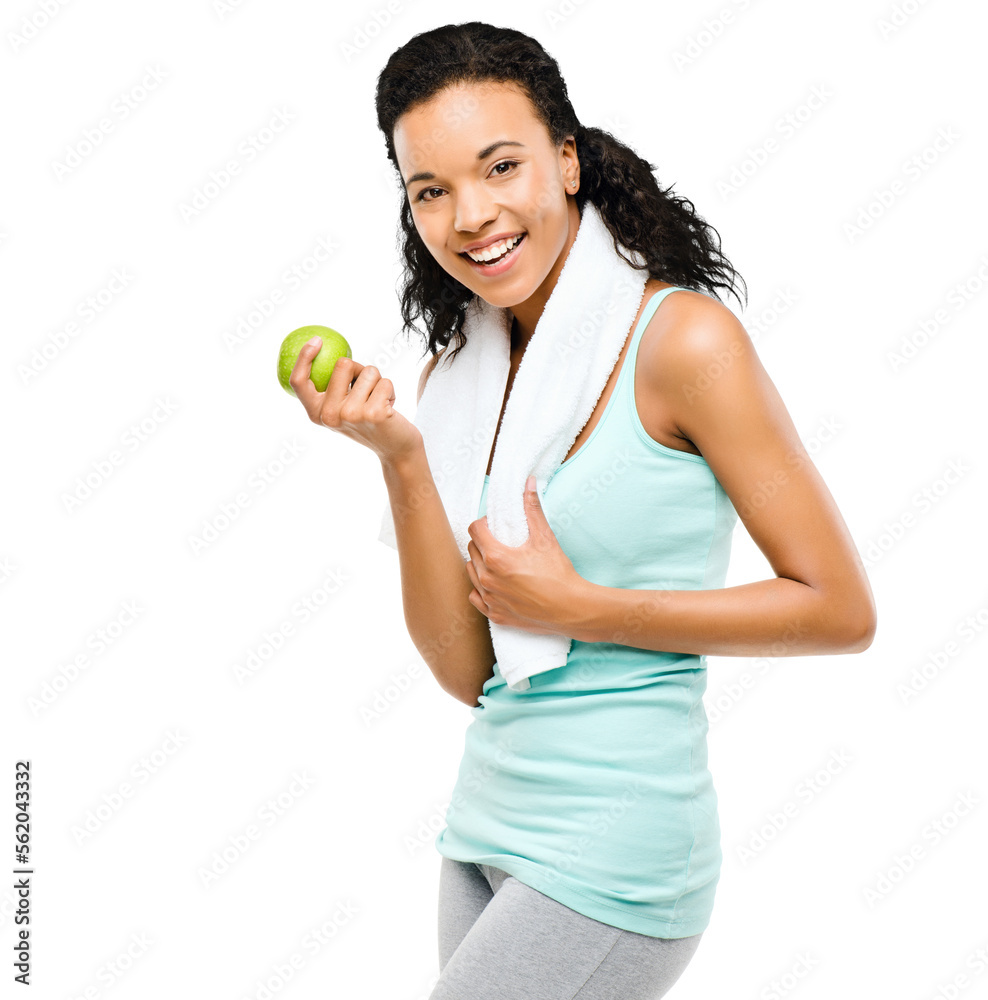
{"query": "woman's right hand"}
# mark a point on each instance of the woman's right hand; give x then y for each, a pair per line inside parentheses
(357, 402)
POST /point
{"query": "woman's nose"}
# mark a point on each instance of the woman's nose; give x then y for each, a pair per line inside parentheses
(474, 209)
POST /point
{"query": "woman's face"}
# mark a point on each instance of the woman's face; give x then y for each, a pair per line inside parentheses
(464, 188)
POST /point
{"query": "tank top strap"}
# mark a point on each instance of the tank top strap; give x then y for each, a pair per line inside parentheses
(629, 362)
(647, 313)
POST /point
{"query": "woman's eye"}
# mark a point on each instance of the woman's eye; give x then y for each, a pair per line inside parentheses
(504, 163)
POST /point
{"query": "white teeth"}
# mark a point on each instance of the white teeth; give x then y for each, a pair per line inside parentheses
(494, 250)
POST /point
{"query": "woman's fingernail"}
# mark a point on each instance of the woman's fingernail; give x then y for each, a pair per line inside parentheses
(315, 340)
(530, 484)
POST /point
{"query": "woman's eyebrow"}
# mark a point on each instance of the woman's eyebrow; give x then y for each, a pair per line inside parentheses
(425, 175)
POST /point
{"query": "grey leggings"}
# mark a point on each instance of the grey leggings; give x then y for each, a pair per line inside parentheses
(500, 939)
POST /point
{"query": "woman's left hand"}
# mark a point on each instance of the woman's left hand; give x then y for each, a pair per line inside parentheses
(530, 586)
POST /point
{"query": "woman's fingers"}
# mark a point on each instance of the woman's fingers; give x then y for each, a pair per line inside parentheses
(357, 402)
(382, 394)
(359, 388)
(345, 371)
(299, 380)
(322, 407)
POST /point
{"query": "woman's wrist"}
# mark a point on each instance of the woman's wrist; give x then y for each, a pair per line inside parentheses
(400, 466)
(573, 609)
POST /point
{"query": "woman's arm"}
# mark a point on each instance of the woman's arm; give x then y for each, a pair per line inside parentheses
(451, 635)
(702, 363)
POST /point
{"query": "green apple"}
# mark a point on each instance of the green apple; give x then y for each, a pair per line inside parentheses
(334, 347)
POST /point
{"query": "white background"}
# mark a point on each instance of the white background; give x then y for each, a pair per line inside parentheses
(346, 702)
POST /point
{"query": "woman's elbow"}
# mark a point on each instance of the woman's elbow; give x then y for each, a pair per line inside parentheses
(844, 622)
(859, 633)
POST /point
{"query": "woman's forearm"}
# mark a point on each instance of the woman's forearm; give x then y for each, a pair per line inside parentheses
(451, 635)
(778, 617)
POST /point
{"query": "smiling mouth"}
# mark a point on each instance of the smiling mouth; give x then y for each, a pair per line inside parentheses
(495, 260)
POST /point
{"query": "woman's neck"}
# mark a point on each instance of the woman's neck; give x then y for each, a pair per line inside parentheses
(526, 314)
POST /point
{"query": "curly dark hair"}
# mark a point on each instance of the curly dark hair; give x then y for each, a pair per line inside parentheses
(678, 246)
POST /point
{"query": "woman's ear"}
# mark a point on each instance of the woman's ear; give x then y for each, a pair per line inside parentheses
(571, 164)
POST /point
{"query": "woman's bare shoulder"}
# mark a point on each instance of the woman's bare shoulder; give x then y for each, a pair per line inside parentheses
(687, 326)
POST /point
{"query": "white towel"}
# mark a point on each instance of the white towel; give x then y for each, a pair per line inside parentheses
(575, 346)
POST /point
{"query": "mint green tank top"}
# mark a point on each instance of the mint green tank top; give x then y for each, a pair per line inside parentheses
(592, 785)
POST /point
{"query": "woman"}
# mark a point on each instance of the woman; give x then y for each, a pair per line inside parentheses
(581, 850)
